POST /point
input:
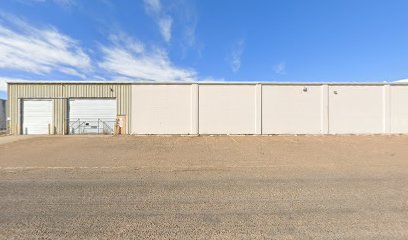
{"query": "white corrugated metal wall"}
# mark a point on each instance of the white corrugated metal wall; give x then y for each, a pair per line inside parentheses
(356, 109)
(226, 109)
(291, 109)
(398, 109)
(269, 108)
(161, 109)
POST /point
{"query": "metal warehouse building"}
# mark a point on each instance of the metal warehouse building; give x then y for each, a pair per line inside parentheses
(207, 108)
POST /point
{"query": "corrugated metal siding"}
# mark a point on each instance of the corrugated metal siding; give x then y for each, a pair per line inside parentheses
(16, 91)
(60, 114)
(13, 108)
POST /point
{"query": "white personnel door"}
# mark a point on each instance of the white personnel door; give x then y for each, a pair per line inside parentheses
(92, 116)
(37, 116)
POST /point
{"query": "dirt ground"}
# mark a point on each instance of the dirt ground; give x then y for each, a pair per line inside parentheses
(224, 187)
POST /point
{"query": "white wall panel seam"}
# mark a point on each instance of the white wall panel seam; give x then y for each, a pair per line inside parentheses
(325, 109)
(258, 109)
(386, 109)
(194, 109)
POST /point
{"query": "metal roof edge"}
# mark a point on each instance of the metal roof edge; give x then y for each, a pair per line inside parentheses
(204, 82)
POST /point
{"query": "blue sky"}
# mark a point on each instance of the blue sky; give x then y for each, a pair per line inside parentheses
(191, 40)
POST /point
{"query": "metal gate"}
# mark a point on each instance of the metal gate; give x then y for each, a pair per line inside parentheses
(92, 116)
(92, 126)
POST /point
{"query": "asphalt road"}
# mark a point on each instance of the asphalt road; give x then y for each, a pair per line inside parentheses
(267, 199)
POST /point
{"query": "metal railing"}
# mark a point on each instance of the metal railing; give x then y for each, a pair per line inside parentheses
(91, 126)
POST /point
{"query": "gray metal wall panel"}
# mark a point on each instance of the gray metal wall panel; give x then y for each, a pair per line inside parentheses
(2, 114)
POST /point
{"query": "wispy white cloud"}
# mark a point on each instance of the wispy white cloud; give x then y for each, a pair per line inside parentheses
(212, 79)
(405, 80)
(280, 68)
(153, 6)
(4, 80)
(186, 19)
(236, 55)
(122, 39)
(163, 20)
(165, 24)
(39, 50)
(190, 34)
(141, 63)
(62, 3)
(3, 85)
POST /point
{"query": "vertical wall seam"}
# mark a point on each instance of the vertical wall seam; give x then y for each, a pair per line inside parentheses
(258, 109)
(325, 105)
(194, 118)
(386, 109)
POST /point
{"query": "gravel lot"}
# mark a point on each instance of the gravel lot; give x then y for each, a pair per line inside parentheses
(241, 187)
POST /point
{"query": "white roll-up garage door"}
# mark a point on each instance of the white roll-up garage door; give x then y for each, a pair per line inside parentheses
(92, 116)
(37, 116)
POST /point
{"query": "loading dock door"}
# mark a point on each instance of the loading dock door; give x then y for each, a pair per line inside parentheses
(92, 116)
(37, 116)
